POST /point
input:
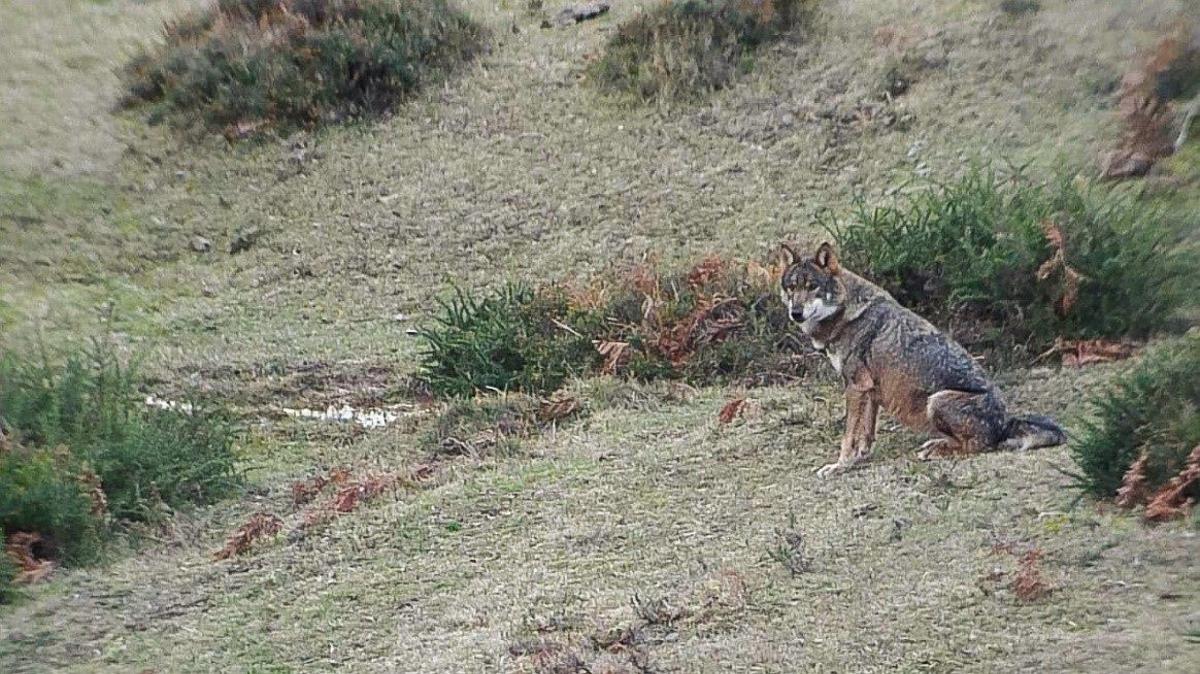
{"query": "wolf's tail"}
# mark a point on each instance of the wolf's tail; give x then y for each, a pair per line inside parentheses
(1031, 431)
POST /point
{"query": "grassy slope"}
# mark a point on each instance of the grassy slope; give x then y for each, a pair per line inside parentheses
(515, 169)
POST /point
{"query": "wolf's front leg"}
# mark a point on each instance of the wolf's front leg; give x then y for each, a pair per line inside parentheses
(858, 408)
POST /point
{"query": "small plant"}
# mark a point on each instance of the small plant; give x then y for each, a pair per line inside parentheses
(1028, 584)
(684, 48)
(788, 548)
(484, 425)
(1141, 432)
(509, 339)
(90, 407)
(1020, 7)
(244, 65)
(1010, 262)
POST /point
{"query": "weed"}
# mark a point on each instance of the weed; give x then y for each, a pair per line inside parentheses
(788, 548)
(486, 425)
(260, 525)
(510, 339)
(90, 405)
(1006, 262)
(244, 65)
(1020, 7)
(39, 493)
(684, 48)
(1141, 431)
(1028, 584)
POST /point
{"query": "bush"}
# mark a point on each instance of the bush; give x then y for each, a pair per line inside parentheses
(506, 340)
(1153, 411)
(40, 492)
(718, 320)
(81, 446)
(1023, 263)
(684, 48)
(246, 64)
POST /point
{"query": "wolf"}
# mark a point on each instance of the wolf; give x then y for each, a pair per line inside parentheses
(891, 358)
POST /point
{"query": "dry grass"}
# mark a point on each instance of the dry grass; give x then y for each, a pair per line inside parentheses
(516, 170)
(566, 539)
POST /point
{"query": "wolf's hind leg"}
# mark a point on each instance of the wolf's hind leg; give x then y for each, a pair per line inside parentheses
(939, 447)
(966, 420)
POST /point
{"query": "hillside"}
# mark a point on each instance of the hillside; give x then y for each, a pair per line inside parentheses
(644, 516)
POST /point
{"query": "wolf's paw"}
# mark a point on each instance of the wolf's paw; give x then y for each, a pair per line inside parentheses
(831, 469)
(936, 448)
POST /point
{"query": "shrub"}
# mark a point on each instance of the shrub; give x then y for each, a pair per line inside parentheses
(1152, 412)
(684, 48)
(81, 447)
(244, 64)
(1023, 263)
(40, 492)
(718, 320)
(506, 340)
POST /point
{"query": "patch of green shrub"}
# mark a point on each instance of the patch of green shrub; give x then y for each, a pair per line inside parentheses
(971, 252)
(80, 425)
(507, 340)
(249, 64)
(684, 48)
(41, 492)
(1153, 410)
(716, 321)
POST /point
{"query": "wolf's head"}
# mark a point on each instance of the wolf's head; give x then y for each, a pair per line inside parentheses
(812, 287)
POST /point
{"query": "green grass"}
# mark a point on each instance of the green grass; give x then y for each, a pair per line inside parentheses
(971, 251)
(1153, 411)
(681, 49)
(8, 569)
(246, 64)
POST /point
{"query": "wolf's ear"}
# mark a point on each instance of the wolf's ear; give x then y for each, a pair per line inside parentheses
(790, 256)
(827, 259)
